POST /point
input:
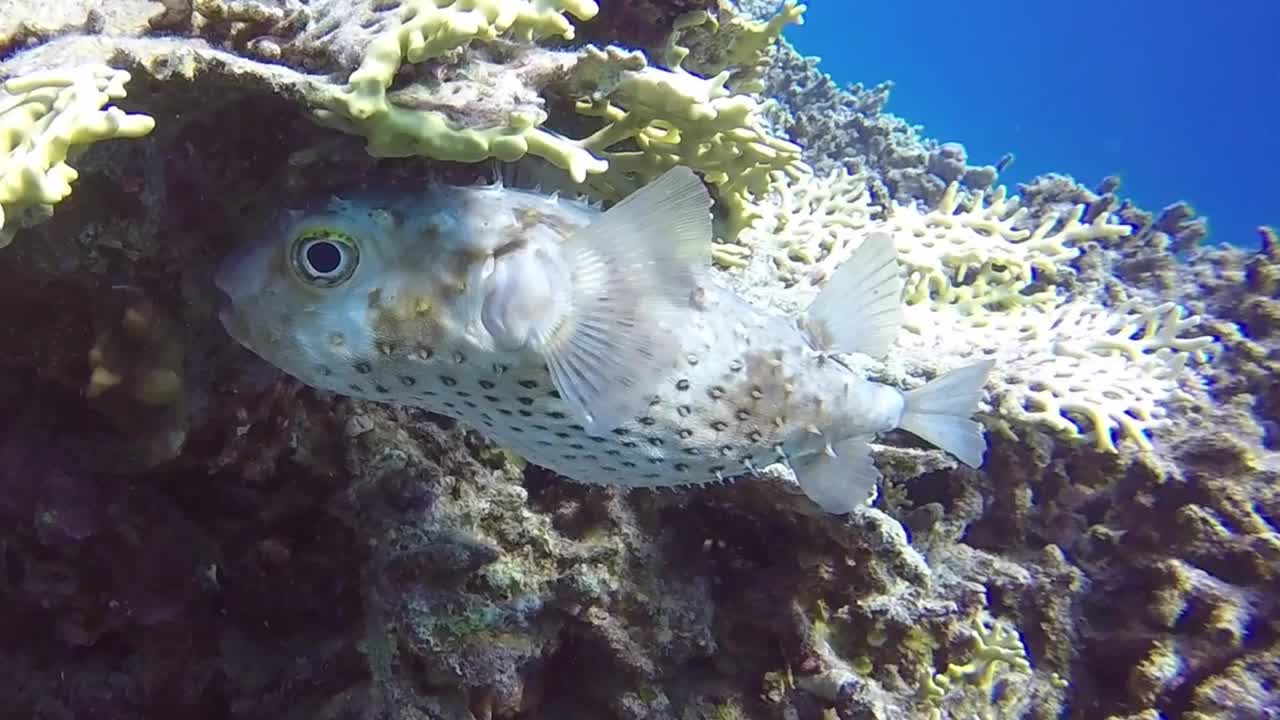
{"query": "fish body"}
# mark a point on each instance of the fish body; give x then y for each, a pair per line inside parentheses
(591, 343)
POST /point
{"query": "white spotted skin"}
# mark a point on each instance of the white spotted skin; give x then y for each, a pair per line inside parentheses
(746, 390)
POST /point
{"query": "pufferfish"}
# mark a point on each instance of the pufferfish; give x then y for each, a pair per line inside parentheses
(596, 344)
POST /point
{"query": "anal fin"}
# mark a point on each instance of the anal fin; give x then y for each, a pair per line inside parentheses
(841, 480)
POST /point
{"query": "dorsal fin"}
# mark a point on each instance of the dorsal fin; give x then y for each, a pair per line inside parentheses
(860, 309)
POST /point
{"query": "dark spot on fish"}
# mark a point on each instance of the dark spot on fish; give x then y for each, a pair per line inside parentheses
(492, 398)
(716, 392)
(608, 468)
(682, 384)
(655, 461)
(487, 385)
(692, 451)
(524, 413)
(556, 415)
(646, 420)
(515, 429)
(577, 427)
(545, 443)
(488, 423)
(630, 444)
(719, 425)
(356, 388)
(382, 389)
(743, 414)
(408, 381)
(554, 393)
(735, 365)
(528, 384)
(577, 446)
(525, 401)
(685, 434)
(597, 439)
(655, 441)
(459, 358)
(621, 431)
(449, 404)
(506, 412)
(569, 457)
(448, 381)
(427, 393)
(726, 450)
(681, 467)
(592, 458)
(470, 404)
(462, 393)
(613, 453)
(755, 436)
(651, 476)
(363, 367)
(684, 410)
(628, 464)
(541, 428)
(562, 435)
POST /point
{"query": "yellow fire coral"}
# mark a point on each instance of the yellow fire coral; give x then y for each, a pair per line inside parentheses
(677, 118)
(46, 116)
(427, 29)
(653, 118)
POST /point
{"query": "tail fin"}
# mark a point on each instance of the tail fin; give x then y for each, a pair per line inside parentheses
(940, 411)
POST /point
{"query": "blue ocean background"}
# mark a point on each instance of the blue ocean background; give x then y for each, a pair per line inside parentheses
(1181, 99)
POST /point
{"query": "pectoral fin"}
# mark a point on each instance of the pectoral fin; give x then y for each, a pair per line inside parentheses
(633, 272)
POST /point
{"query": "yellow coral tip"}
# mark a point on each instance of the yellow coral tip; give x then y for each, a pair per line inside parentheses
(100, 381)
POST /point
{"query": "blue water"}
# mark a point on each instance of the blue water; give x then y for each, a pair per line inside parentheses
(1181, 99)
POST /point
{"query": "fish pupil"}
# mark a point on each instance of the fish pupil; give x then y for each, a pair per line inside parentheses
(324, 257)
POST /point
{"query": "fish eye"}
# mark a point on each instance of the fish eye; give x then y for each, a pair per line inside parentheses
(325, 258)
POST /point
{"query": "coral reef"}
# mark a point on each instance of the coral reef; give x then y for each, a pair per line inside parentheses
(43, 117)
(187, 532)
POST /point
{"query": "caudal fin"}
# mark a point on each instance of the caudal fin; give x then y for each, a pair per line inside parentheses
(633, 272)
(940, 412)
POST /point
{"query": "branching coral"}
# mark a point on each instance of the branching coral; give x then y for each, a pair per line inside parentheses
(44, 118)
(739, 45)
(653, 118)
(674, 117)
(427, 29)
(995, 643)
